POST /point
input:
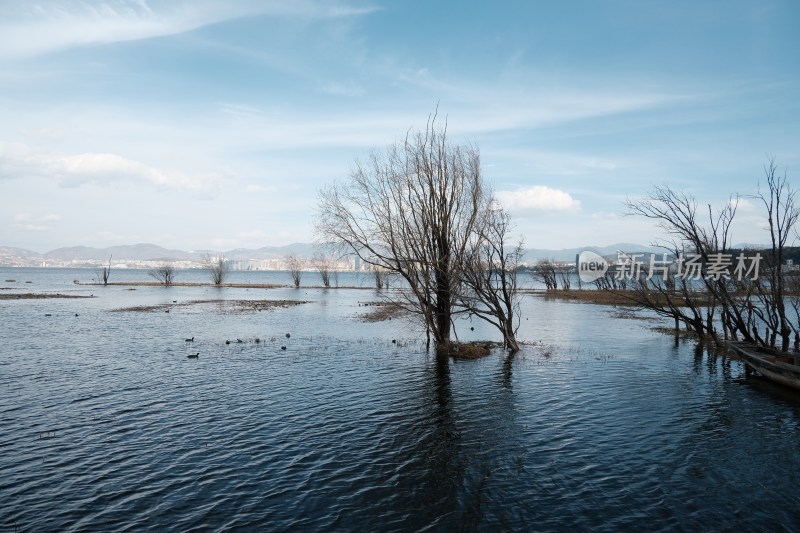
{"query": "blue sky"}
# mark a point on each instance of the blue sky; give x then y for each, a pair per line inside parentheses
(212, 124)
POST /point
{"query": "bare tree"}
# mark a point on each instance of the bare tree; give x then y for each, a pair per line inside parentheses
(782, 214)
(564, 277)
(322, 263)
(490, 277)
(412, 211)
(164, 274)
(381, 278)
(105, 272)
(751, 309)
(545, 271)
(295, 267)
(694, 304)
(217, 268)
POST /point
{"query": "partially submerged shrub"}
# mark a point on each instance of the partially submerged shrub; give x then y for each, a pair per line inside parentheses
(464, 350)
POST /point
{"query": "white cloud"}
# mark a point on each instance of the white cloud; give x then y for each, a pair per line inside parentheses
(255, 189)
(538, 198)
(19, 160)
(744, 206)
(31, 222)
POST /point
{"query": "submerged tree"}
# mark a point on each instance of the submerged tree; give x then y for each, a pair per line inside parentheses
(105, 272)
(295, 267)
(694, 233)
(217, 268)
(749, 307)
(412, 211)
(322, 263)
(381, 278)
(164, 274)
(545, 271)
(419, 210)
(490, 277)
(782, 213)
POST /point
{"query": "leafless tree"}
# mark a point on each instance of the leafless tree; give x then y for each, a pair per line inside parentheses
(322, 263)
(164, 274)
(545, 271)
(564, 277)
(412, 210)
(217, 268)
(751, 309)
(782, 213)
(381, 278)
(105, 272)
(609, 281)
(295, 267)
(490, 277)
(694, 304)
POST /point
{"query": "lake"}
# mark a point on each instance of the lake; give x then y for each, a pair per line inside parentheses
(600, 423)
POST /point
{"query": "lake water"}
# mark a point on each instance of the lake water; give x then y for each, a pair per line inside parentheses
(601, 424)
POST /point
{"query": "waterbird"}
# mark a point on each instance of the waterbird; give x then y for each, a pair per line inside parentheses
(288, 335)
(472, 328)
(283, 347)
(190, 340)
(239, 340)
(167, 311)
(193, 355)
(227, 341)
(394, 341)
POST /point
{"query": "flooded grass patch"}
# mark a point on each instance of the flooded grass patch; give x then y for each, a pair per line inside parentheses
(600, 297)
(221, 306)
(40, 296)
(631, 314)
(382, 311)
(466, 350)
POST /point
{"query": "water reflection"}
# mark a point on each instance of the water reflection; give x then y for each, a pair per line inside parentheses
(617, 428)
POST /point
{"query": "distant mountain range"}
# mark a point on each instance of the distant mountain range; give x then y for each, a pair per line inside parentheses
(10, 256)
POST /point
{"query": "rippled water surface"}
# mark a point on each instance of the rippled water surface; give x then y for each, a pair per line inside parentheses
(600, 424)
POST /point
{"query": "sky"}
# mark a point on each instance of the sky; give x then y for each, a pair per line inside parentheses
(213, 124)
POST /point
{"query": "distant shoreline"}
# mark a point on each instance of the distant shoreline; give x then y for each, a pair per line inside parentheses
(210, 284)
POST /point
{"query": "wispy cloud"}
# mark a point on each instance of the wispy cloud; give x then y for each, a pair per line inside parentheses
(73, 170)
(29, 29)
(343, 88)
